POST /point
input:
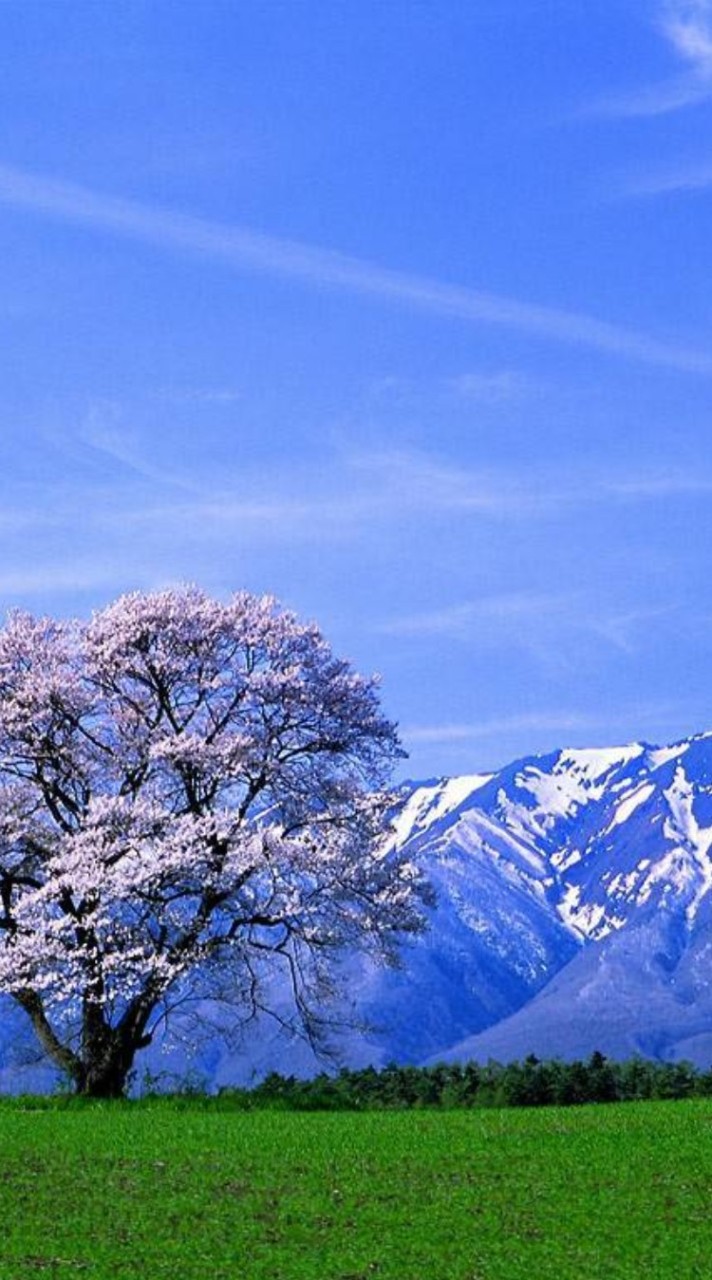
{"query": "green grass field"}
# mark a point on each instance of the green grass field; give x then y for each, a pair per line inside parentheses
(118, 1191)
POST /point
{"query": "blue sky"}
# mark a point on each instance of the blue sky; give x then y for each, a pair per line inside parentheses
(400, 311)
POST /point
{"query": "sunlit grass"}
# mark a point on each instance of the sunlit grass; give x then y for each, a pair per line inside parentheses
(120, 1191)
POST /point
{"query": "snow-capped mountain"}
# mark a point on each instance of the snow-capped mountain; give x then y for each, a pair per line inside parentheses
(623, 838)
(574, 912)
(600, 833)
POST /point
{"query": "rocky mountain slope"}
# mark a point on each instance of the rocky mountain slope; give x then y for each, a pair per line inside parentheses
(627, 835)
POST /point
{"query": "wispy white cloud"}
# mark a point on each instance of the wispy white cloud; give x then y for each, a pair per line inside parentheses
(687, 27)
(348, 492)
(659, 485)
(102, 433)
(621, 628)
(696, 176)
(197, 395)
(400, 480)
(342, 494)
(461, 621)
(422, 481)
(548, 625)
(490, 387)
(346, 496)
(245, 250)
(545, 721)
(120, 487)
(137, 518)
(536, 721)
(56, 578)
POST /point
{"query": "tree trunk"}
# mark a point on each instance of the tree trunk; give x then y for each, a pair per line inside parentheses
(61, 1055)
(108, 1051)
(106, 1064)
(103, 1079)
(100, 1069)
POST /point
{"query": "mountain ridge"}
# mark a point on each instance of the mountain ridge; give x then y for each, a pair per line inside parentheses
(625, 836)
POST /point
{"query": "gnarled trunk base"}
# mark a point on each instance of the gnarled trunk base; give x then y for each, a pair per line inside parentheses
(107, 1083)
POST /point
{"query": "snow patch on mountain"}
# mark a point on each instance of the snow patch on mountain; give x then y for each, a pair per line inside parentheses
(432, 803)
(630, 802)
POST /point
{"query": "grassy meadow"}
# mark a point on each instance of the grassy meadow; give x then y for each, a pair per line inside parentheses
(161, 1190)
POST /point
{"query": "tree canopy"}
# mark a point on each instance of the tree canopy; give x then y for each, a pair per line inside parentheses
(191, 793)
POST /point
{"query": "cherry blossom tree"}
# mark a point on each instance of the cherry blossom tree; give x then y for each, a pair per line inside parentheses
(191, 797)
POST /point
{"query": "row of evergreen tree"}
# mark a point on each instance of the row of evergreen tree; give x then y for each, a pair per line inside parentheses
(532, 1083)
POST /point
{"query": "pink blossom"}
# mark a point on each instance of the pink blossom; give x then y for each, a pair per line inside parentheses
(188, 788)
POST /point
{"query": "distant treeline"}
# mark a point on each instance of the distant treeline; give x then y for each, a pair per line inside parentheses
(532, 1083)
